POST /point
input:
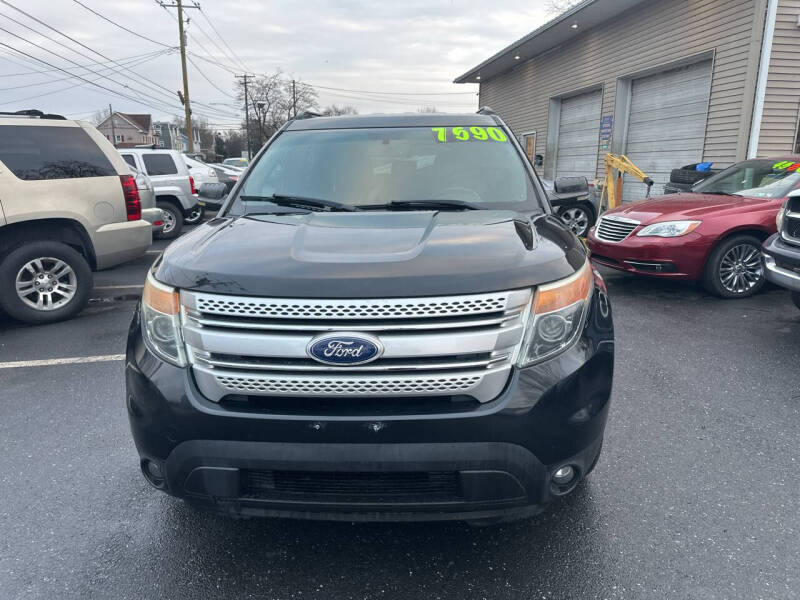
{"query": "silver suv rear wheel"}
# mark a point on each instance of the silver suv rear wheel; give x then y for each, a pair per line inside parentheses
(46, 283)
(43, 282)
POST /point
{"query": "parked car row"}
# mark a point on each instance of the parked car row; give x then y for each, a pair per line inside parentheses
(712, 234)
(71, 203)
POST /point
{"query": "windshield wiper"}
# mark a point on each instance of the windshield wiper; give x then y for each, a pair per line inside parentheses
(301, 202)
(423, 204)
(717, 193)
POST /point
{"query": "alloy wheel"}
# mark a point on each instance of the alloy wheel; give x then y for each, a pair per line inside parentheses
(577, 220)
(740, 269)
(169, 221)
(194, 215)
(46, 283)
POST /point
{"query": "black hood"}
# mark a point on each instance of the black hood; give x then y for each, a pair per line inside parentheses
(371, 254)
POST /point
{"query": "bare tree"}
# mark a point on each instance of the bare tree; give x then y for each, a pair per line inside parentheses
(334, 110)
(556, 7)
(272, 100)
(100, 115)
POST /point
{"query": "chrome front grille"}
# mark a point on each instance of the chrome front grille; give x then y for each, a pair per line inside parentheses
(437, 346)
(791, 222)
(614, 229)
(348, 309)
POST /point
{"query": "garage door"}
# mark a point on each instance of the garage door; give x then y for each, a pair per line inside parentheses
(578, 133)
(667, 124)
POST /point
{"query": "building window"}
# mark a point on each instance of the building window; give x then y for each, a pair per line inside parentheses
(119, 138)
(528, 141)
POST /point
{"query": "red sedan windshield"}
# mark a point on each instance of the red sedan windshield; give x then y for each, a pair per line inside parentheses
(755, 179)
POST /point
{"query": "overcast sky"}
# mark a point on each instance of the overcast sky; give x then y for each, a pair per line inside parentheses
(410, 47)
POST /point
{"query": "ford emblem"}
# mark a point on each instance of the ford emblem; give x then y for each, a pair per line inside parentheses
(344, 349)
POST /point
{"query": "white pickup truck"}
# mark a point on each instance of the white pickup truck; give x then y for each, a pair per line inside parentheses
(174, 186)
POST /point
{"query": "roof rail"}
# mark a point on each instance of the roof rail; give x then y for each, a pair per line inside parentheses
(34, 113)
(307, 114)
(485, 110)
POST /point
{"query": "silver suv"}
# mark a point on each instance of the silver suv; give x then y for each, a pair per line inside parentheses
(173, 184)
(68, 204)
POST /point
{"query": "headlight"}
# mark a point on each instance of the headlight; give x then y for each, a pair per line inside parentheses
(779, 217)
(161, 321)
(558, 313)
(669, 229)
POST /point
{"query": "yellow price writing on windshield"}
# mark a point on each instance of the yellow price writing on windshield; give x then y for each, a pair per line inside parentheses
(463, 134)
(786, 165)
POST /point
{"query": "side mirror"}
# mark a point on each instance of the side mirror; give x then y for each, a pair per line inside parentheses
(571, 185)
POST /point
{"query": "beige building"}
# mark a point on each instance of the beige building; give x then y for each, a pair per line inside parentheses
(128, 130)
(666, 82)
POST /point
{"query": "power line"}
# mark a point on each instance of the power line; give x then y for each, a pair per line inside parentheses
(219, 35)
(83, 80)
(126, 63)
(149, 83)
(144, 37)
(214, 42)
(218, 64)
(151, 40)
(65, 46)
(199, 70)
(230, 68)
(94, 63)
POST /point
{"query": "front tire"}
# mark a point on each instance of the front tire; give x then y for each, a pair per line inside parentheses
(195, 215)
(44, 282)
(577, 217)
(796, 299)
(173, 220)
(734, 269)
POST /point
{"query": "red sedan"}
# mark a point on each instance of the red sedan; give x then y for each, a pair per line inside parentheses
(712, 234)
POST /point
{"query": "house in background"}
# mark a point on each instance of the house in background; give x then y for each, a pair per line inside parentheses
(172, 137)
(185, 140)
(128, 130)
(667, 83)
(169, 136)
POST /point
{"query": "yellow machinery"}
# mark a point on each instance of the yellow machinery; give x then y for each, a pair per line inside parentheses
(612, 190)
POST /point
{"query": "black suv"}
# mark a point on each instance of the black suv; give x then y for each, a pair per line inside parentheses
(782, 250)
(385, 321)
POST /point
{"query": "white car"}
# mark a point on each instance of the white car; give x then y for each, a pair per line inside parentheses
(201, 172)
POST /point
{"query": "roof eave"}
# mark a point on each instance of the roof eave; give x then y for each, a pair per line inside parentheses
(470, 75)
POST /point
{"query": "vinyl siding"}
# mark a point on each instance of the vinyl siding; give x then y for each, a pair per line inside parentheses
(653, 35)
(782, 96)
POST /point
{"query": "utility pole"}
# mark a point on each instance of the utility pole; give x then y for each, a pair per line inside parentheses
(246, 114)
(113, 128)
(294, 100)
(185, 97)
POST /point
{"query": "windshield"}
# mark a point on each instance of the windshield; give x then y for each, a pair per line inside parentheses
(375, 167)
(754, 178)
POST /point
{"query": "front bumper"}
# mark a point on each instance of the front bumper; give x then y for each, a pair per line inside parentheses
(492, 460)
(782, 263)
(679, 258)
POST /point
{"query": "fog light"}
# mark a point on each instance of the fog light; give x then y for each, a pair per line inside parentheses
(154, 469)
(153, 473)
(563, 475)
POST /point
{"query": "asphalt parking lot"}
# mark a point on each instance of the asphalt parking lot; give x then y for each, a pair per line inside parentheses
(695, 497)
